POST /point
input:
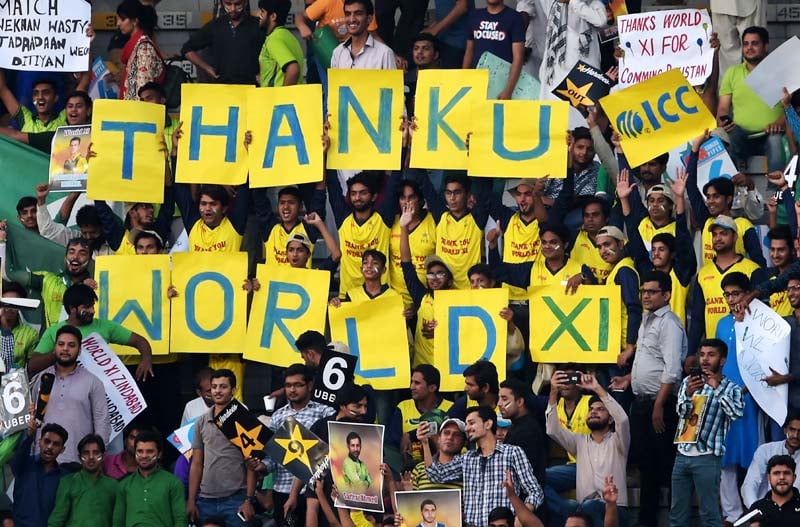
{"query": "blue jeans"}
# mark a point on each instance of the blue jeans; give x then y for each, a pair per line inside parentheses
(224, 507)
(702, 473)
(770, 145)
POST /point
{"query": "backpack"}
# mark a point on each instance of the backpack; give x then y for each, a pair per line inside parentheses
(174, 77)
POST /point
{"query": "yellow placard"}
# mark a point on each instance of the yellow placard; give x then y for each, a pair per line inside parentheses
(519, 139)
(375, 332)
(443, 114)
(141, 305)
(286, 126)
(468, 328)
(583, 328)
(657, 115)
(366, 110)
(128, 138)
(212, 147)
(289, 302)
(209, 315)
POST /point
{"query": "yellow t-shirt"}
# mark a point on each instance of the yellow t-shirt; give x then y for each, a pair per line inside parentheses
(275, 246)
(125, 246)
(409, 414)
(422, 241)
(358, 294)
(423, 347)
(779, 302)
(459, 243)
(541, 275)
(626, 262)
(521, 243)
(742, 225)
(709, 278)
(354, 239)
(585, 252)
(223, 238)
(647, 230)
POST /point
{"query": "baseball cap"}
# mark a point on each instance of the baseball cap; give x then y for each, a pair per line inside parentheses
(454, 421)
(662, 189)
(128, 205)
(302, 238)
(726, 222)
(436, 259)
(612, 232)
(512, 184)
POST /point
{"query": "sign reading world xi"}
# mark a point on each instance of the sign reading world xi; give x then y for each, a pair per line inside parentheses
(44, 35)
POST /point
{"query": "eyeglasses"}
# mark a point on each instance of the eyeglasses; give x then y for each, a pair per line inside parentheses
(439, 274)
(646, 292)
(456, 192)
(793, 288)
(731, 294)
(294, 385)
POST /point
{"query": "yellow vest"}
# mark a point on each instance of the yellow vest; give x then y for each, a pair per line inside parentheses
(541, 275)
(358, 294)
(585, 252)
(126, 247)
(677, 301)
(423, 347)
(626, 262)
(459, 242)
(223, 238)
(779, 302)
(521, 243)
(742, 225)
(709, 278)
(275, 246)
(354, 239)
(647, 230)
(422, 242)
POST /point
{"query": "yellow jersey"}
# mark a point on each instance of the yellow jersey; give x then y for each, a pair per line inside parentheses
(521, 243)
(626, 262)
(275, 246)
(459, 242)
(779, 302)
(585, 253)
(126, 247)
(576, 423)
(410, 417)
(222, 238)
(742, 225)
(647, 230)
(677, 300)
(709, 277)
(359, 294)
(423, 346)
(422, 241)
(541, 275)
(354, 239)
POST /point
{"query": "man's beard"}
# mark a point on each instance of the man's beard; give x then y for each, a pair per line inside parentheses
(596, 424)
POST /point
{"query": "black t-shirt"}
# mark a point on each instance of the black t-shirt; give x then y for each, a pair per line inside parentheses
(787, 515)
(42, 141)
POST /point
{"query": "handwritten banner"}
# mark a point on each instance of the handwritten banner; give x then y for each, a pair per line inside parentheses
(44, 36)
(289, 302)
(212, 147)
(469, 328)
(140, 305)
(128, 137)
(658, 41)
(762, 345)
(286, 124)
(209, 315)
(123, 397)
(584, 327)
(375, 331)
(519, 139)
(657, 115)
(366, 110)
(443, 113)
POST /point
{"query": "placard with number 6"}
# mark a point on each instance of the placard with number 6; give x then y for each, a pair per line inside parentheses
(16, 397)
(335, 369)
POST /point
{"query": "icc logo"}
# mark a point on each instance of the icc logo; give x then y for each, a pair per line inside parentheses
(630, 123)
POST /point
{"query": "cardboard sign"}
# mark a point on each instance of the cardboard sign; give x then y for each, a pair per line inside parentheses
(584, 86)
(356, 452)
(519, 139)
(713, 161)
(657, 115)
(44, 36)
(14, 411)
(302, 453)
(182, 438)
(243, 429)
(69, 164)
(123, 397)
(658, 41)
(772, 74)
(584, 327)
(417, 506)
(334, 370)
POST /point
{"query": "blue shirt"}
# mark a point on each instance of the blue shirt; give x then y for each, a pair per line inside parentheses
(495, 33)
(34, 488)
(456, 34)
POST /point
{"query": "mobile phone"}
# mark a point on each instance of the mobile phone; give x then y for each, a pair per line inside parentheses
(573, 378)
(695, 371)
(241, 516)
(433, 427)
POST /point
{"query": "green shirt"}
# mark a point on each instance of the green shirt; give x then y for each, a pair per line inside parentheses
(154, 501)
(83, 501)
(749, 111)
(31, 124)
(280, 49)
(25, 339)
(111, 332)
(356, 474)
(52, 288)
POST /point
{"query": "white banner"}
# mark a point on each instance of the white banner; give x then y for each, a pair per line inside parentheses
(657, 41)
(44, 35)
(713, 161)
(762, 346)
(771, 75)
(124, 399)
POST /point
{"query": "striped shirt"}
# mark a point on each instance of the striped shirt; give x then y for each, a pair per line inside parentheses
(724, 404)
(421, 481)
